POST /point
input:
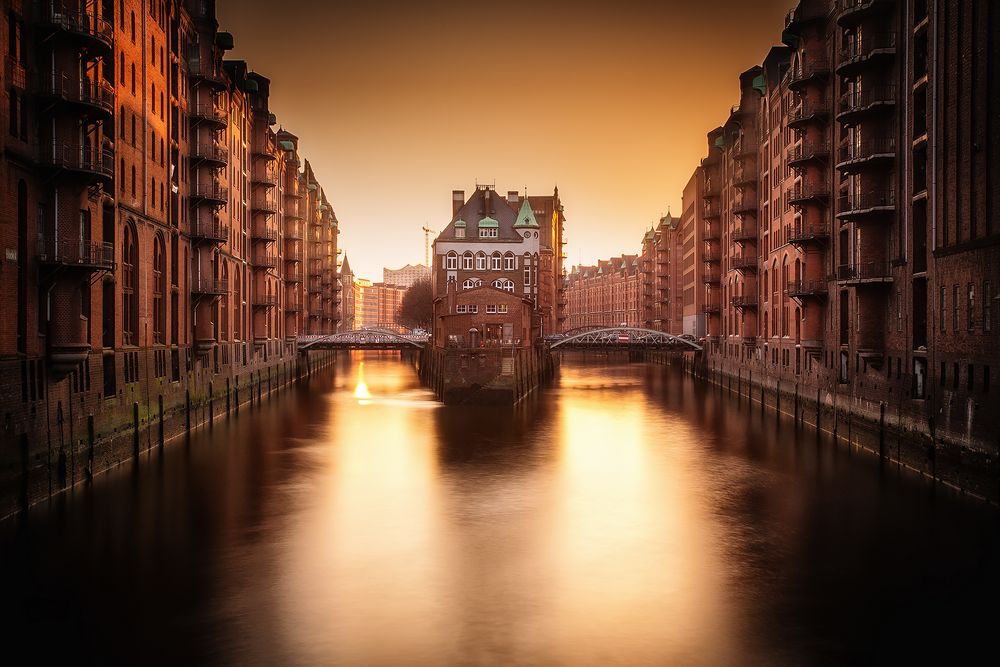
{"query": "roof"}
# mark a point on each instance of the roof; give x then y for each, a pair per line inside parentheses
(486, 208)
(526, 217)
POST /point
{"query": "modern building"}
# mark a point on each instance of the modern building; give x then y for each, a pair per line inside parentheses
(153, 237)
(493, 243)
(406, 276)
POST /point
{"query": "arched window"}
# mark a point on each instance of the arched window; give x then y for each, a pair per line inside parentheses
(504, 284)
(480, 261)
(509, 262)
(451, 261)
(159, 290)
(130, 286)
(472, 283)
(467, 261)
(495, 261)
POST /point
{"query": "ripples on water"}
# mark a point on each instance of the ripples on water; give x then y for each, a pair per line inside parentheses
(625, 516)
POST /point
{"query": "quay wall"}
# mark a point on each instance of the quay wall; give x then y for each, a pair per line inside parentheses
(485, 375)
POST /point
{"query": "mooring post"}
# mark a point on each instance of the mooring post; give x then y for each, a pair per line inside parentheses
(777, 398)
(160, 401)
(135, 429)
(90, 443)
(796, 420)
(187, 410)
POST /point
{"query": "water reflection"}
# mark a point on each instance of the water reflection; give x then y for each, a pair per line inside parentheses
(625, 516)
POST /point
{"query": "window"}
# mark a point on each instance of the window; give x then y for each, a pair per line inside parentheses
(159, 290)
(987, 307)
(451, 261)
(495, 261)
(481, 261)
(954, 307)
(502, 308)
(487, 232)
(467, 261)
(509, 262)
(491, 309)
(130, 287)
(970, 307)
(970, 377)
(460, 232)
(472, 283)
(504, 284)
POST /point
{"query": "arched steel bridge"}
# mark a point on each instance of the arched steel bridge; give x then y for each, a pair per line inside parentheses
(363, 339)
(622, 337)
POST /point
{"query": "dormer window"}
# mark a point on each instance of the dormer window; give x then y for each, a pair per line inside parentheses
(487, 232)
(460, 232)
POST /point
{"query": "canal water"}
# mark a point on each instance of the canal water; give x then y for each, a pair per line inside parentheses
(626, 516)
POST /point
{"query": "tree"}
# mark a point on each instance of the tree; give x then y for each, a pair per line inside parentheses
(417, 308)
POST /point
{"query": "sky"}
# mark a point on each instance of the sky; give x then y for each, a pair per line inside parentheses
(396, 103)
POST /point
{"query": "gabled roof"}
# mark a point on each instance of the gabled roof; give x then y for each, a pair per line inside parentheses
(484, 208)
(345, 267)
(526, 217)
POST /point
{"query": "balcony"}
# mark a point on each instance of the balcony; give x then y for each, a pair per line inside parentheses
(802, 233)
(293, 232)
(867, 204)
(206, 73)
(209, 230)
(803, 289)
(89, 161)
(808, 71)
(293, 307)
(209, 193)
(746, 206)
(266, 176)
(744, 234)
(293, 274)
(88, 27)
(88, 94)
(209, 286)
(745, 176)
(216, 154)
(743, 301)
(267, 233)
(854, 157)
(809, 111)
(710, 308)
(744, 263)
(807, 193)
(264, 205)
(265, 150)
(711, 256)
(710, 278)
(864, 273)
(209, 113)
(265, 300)
(856, 104)
(804, 14)
(712, 189)
(869, 50)
(746, 147)
(711, 233)
(808, 151)
(852, 12)
(265, 260)
(75, 253)
(711, 211)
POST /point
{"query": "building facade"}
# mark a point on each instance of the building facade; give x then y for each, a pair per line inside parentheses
(154, 226)
(406, 276)
(494, 242)
(607, 294)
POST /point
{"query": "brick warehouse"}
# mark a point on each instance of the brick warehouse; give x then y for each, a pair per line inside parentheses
(163, 244)
(846, 239)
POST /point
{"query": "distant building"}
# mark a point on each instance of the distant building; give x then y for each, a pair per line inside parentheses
(347, 319)
(406, 276)
(605, 294)
(376, 304)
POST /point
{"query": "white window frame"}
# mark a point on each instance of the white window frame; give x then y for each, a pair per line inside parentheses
(491, 309)
(510, 262)
(496, 261)
(451, 261)
(488, 232)
(468, 261)
(472, 283)
(502, 308)
(504, 284)
(481, 261)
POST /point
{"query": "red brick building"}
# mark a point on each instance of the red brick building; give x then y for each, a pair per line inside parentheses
(609, 293)
(154, 224)
(484, 316)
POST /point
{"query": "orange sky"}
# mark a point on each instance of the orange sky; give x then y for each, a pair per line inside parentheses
(397, 103)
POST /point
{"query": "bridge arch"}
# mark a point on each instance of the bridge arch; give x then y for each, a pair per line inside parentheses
(612, 337)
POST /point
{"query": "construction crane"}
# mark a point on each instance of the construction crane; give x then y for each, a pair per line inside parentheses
(427, 245)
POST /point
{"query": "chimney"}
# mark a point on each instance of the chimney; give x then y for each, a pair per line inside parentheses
(457, 201)
(512, 197)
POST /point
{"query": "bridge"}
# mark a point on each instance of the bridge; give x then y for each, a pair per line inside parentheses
(630, 338)
(364, 339)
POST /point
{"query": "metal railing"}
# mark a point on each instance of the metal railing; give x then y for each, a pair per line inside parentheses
(264, 233)
(209, 285)
(264, 260)
(69, 18)
(867, 149)
(874, 271)
(264, 205)
(79, 158)
(746, 233)
(211, 151)
(858, 100)
(215, 230)
(76, 252)
(808, 149)
(868, 201)
(808, 109)
(93, 92)
(797, 288)
(869, 43)
(800, 232)
(743, 262)
(744, 301)
(210, 112)
(808, 69)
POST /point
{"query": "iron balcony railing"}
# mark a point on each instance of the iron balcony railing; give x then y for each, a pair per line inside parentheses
(745, 206)
(96, 93)
(807, 110)
(207, 72)
(711, 209)
(712, 255)
(87, 159)
(209, 230)
(864, 271)
(76, 252)
(264, 205)
(710, 308)
(802, 288)
(872, 201)
(266, 175)
(265, 300)
(16, 73)
(211, 192)
(808, 149)
(293, 274)
(293, 307)
(851, 11)
(208, 111)
(803, 232)
(863, 48)
(264, 233)
(743, 262)
(807, 70)
(856, 153)
(209, 285)
(265, 149)
(211, 152)
(264, 260)
(67, 17)
(801, 193)
(857, 101)
(746, 233)
(710, 277)
(744, 301)
(711, 233)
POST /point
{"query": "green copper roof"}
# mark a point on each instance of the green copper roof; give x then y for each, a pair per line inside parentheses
(460, 223)
(720, 142)
(650, 235)
(250, 86)
(525, 217)
(271, 119)
(225, 41)
(760, 84)
(286, 146)
(488, 222)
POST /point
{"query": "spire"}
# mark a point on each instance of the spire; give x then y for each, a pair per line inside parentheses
(526, 217)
